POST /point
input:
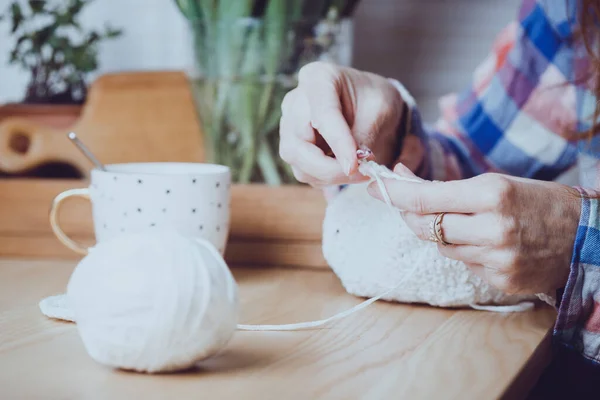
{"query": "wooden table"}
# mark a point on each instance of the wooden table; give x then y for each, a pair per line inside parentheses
(385, 351)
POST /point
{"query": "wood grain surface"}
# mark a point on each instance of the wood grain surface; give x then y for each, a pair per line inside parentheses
(53, 116)
(128, 117)
(385, 351)
(143, 116)
(269, 225)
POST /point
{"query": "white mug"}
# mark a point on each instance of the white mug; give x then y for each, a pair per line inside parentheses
(191, 198)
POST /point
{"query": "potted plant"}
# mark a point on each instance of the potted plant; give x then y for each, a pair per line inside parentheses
(51, 44)
(247, 55)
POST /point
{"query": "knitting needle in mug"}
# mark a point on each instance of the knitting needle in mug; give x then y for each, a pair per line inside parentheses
(86, 152)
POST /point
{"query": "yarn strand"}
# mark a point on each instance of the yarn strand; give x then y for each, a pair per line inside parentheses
(57, 307)
(377, 173)
(318, 323)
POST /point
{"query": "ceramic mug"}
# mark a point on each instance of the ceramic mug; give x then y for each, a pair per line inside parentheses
(191, 198)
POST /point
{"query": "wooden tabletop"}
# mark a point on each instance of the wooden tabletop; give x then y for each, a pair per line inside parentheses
(384, 351)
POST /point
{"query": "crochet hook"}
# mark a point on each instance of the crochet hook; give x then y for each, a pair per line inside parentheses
(86, 152)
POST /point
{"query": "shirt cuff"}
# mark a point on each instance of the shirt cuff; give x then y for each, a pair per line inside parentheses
(578, 322)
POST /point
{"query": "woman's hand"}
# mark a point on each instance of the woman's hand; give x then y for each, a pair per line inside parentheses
(334, 111)
(517, 234)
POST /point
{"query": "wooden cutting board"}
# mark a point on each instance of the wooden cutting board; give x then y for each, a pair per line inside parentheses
(128, 117)
(144, 117)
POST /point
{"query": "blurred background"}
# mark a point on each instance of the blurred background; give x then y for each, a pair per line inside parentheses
(238, 58)
(431, 45)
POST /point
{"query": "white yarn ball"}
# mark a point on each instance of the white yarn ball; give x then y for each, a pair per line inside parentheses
(154, 301)
(371, 251)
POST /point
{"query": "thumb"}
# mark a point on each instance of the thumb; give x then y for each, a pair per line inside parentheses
(404, 171)
(319, 82)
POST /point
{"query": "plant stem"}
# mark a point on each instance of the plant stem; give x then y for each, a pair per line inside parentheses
(267, 164)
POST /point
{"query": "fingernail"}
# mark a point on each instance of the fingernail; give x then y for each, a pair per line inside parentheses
(403, 170)
(347, 165)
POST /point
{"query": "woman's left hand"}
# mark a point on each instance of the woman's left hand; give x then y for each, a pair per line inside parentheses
(517, 234)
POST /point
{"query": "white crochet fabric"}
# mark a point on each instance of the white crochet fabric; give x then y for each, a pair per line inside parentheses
(372, 250)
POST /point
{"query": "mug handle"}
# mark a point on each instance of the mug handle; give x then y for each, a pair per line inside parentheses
(54, 211)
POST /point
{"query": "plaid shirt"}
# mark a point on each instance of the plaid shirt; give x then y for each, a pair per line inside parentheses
(525, 114)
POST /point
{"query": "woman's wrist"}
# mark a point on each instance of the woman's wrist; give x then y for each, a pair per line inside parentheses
(582, 211)
(404, 126)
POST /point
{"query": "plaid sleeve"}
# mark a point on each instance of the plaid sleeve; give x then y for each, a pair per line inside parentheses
(578, 322)
(514, 115)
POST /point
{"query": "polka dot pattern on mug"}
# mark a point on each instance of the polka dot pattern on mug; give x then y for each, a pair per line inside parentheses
(195, 205)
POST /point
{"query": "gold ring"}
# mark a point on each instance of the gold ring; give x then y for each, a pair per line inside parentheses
(432, 235)
(437, 229)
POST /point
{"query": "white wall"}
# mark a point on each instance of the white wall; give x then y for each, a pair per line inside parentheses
(155, 37)
(431, 45)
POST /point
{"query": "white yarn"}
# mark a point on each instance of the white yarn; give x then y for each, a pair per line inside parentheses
(155, 301)
(57, 307)
(370, 248)
(158, 301)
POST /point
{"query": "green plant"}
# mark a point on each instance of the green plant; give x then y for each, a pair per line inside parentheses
(51, 44)
(247, 54)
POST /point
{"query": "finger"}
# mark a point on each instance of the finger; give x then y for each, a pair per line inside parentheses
(482, 255)
(319, 86)
(319, 184)
(288, 128)
(297, 121)
(461, 229)
(303, 177)
(406, 172)
(376, 115)
(464, 196)
(478, 270)
(288, 102)
(493, 277)
(311, 160)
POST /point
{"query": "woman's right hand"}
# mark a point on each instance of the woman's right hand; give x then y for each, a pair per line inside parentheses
(338, 110)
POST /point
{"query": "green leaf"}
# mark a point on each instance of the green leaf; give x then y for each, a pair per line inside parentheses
(84, 59)
(190, 9)
(14, 56)
(20, 41)
(91, 39)
(37, 6)
(17, 16)
(112, 33)
(59, 42)
(75, 7)
(231, 10)
(42, 36)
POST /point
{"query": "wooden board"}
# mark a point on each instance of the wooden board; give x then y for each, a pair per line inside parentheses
(52, 116)
(386, 351)
(128, 117)
(269, 225)
(147, 116)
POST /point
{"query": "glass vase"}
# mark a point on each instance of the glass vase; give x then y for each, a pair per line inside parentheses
(242, 70)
